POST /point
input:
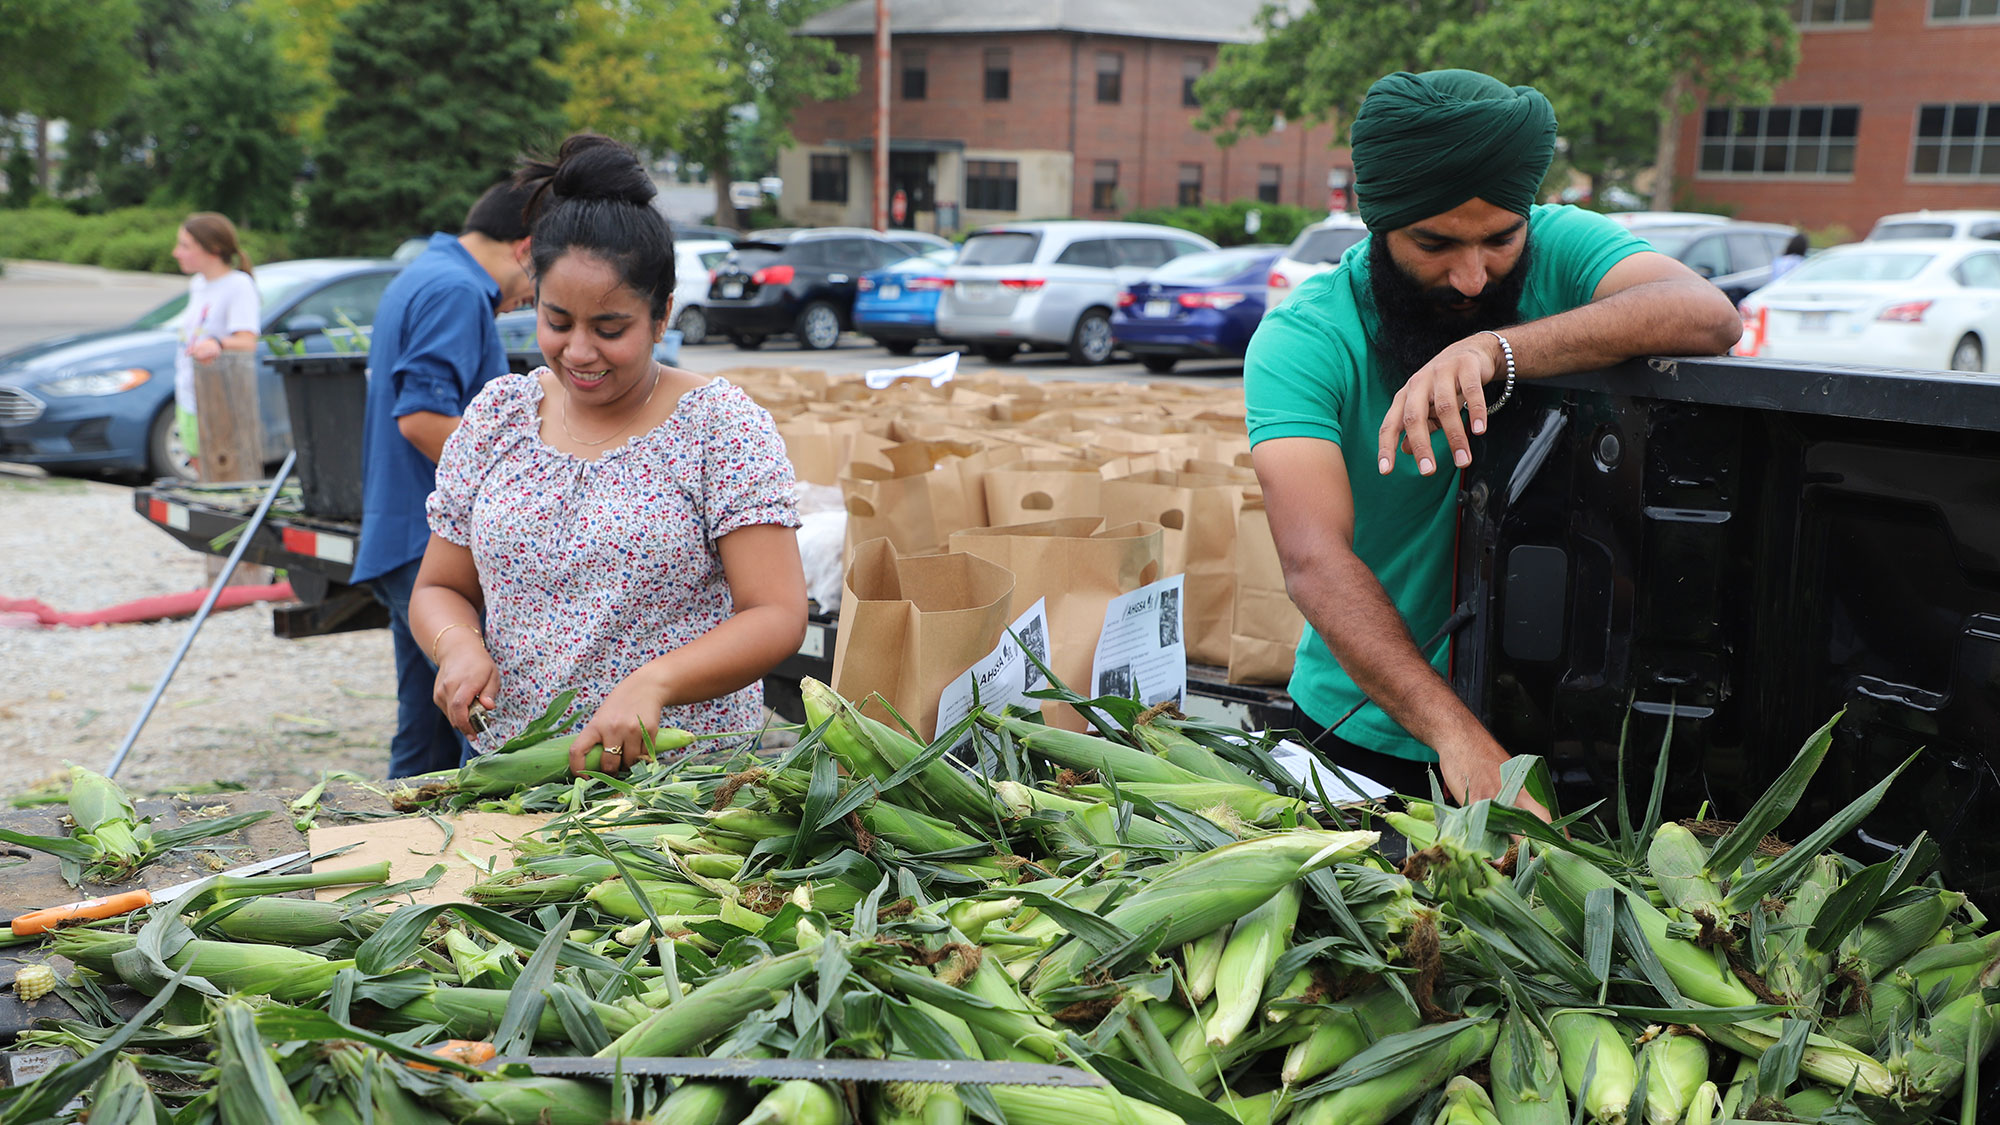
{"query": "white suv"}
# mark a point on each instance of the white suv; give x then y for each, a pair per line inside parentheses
(1937, 224)
(1050, 285)
(1317, 249)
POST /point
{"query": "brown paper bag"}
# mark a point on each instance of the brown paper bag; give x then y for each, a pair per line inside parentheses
(928, 490)
(1198, 514)
(1031, 491)
(1265, 631)
(911, 625)
(1078, 569)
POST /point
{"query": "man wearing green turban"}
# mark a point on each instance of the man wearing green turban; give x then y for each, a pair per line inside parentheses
(1464, 285)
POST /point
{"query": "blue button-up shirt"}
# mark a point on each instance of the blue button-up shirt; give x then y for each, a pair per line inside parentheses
(433, 346)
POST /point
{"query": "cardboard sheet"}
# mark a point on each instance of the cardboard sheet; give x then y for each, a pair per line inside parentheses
(413, 844)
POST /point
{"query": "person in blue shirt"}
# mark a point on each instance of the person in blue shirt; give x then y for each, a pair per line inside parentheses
(433, 347)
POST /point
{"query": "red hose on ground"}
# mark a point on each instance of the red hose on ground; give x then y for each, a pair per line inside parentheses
(148, 609)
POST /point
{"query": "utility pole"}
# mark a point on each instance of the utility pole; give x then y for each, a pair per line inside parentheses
(881, 212)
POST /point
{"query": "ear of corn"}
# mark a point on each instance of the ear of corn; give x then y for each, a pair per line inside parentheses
(1190, 755)
(1255, 943)
(1825, 1060)
(282, 973)
(1466, 1103)
(1792, 968)
(1592, 1045)
(1678, 863)
(273, 920)
(533, 1100)
(1676, 1067)
(1380, 1099)
(1071, 1105)
(1077, 751)
(1697, 972)
(1217, 887)
(476, 1013)
(1882, 942)
(105, 820)
(1527, 1075)
(1345, 1030)
(795, 1103)
(714, 1007)
(1933, 1065)
(34, 981)
(1707, 1100)
(615, 897)
(1202, 958)
(695, 1102)
(1258, 806)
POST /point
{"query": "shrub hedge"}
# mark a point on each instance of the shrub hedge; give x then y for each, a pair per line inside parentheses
(1222, 223)
(132, 238)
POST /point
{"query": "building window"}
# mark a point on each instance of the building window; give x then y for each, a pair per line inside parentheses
(1963, 11)
(1110, 77)
(999, 73)
(916, 76)
(1192, 68)
(1819, 13)
(829, 177)
(992, 185)
(1779, 140)
(1269, 176)
(1190, 191)
(1957, 140)
(1104, 186)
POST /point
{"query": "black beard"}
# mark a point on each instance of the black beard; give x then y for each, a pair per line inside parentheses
(1417, 322)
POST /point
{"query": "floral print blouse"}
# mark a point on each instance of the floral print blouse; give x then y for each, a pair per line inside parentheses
(593, 568)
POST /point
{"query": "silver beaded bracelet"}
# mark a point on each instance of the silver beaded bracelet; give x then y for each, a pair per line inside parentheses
(1506, 392)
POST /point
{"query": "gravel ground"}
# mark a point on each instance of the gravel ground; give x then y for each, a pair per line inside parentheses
(246, 706)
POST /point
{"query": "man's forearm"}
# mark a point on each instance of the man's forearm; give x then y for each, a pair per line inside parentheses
(1346, 605)
(1656, 318)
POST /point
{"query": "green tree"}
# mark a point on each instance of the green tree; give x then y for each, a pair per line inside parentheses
(769, 70)
(436, 100)
(639, 70)
(306, 31)
(1620, 75)
(206, 122)
(65, 60)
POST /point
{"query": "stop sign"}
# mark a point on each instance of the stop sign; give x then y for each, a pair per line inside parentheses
(899, 206)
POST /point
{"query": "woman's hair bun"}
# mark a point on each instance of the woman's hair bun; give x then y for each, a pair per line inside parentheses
(593, 166)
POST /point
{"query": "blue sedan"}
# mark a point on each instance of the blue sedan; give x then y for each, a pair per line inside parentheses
(897, 304)
(1198, 306)
(102, 402)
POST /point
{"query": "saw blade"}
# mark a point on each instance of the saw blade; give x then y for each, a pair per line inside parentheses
(948, 1071)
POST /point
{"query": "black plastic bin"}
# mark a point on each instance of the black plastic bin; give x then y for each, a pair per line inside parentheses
(327, 397)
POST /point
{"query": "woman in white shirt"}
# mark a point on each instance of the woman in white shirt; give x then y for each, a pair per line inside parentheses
(223, 312)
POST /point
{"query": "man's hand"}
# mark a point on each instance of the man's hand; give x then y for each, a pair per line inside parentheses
(466, 672)
(624, 725)
(1472, 773)
(1454, 380)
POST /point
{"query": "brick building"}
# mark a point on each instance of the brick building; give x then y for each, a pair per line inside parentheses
(1013, 109)
(1895, 107)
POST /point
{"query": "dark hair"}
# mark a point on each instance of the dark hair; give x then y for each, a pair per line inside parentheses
(501, 214)
(597, 198)
(217, 235)
(1798, 245)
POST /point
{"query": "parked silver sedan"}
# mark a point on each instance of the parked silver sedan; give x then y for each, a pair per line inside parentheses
(1047, 286)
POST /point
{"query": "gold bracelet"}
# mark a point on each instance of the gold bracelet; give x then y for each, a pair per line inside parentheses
(447, 629)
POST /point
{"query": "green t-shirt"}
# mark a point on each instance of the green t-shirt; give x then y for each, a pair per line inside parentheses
(1311, 373)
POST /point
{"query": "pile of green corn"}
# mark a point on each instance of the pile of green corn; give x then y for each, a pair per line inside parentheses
(1158, 905)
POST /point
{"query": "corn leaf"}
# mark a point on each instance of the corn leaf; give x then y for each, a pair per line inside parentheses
(1136, 1083)
(1089, 926)
(1697, 1015)
(60, 846)
(581, 1025)
(168, 838)
(1599, 921)
(1847, 907)
(281, 1024)
(1771, 809)
(1786, 867)
(1778, 1066)
(387, 948)
(1641, 952)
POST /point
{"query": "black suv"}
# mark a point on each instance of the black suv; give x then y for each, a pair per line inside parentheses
(797, 281)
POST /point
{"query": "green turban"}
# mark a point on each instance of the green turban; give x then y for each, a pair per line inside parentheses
(1425, 143)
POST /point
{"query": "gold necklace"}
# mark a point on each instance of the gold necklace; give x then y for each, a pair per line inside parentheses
(571, 434)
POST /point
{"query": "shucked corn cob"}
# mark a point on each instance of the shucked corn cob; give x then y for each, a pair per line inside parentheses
(1592, 1045)
(32, 982)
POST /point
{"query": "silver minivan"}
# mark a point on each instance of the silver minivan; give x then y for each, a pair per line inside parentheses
(1050, 285)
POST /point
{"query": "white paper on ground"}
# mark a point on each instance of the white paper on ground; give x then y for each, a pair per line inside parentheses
(1300, 761)
(1143, 645)
(1004, 676)
(939, 371)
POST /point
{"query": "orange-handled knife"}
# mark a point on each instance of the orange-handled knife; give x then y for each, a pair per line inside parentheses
(110, 906)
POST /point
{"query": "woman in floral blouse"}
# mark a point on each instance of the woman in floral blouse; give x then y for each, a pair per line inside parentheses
(623, 528)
